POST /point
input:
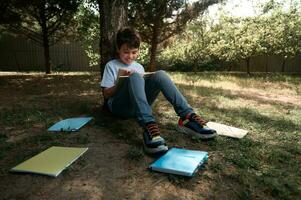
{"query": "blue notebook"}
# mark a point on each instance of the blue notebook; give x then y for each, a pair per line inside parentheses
(180, 161)
(71, 124)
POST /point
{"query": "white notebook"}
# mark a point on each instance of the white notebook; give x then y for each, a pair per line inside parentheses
(226, 130)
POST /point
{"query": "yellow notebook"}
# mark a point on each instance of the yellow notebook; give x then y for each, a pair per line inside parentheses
(225, 130)
(51, 162)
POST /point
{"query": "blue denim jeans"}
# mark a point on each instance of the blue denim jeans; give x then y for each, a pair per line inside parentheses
(135, 97)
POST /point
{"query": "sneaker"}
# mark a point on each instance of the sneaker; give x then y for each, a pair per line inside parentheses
(153, 143)
(195, 126)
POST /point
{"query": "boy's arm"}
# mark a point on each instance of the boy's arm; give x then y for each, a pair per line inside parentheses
(109, 92)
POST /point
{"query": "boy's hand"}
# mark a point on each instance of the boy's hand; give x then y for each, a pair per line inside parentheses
(123, 72)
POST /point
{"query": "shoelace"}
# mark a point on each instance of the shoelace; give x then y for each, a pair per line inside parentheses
(199, 120)
(153, 130)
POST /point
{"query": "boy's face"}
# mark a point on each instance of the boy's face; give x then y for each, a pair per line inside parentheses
(127, 55)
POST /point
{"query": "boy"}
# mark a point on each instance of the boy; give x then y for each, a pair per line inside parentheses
(137, 93)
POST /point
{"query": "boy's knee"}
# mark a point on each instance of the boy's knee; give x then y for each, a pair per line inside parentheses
(135, 77)
(161, 74)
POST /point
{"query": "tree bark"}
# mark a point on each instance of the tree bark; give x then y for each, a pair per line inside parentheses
(113, 16)
(153, 49)
(45, 39)
(46, 54)
(266, 63)
(248, 65)
(283, 65)
(230, 67)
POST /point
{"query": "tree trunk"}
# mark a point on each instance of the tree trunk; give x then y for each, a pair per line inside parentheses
(45, 39)
(46, 54)
(266, 63)
(248, 65)
(194, 64)
(230, 67)
(283, 65)
(17, 62)
(113, 16)
(153, 49)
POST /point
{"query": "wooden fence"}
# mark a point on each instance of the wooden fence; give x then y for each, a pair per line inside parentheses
(270, 64)
(19, 54)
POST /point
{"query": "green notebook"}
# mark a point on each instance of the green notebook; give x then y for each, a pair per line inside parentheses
(50, 162)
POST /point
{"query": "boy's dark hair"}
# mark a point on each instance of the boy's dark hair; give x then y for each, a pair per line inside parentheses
(128, 36)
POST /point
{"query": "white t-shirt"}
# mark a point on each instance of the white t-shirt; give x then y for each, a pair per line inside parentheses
(110, 74)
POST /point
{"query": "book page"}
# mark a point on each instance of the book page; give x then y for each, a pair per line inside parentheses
(143, 75)
(121, 79)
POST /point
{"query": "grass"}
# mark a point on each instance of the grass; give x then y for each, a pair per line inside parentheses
(135, 153)
(267, 161)
(263, 165)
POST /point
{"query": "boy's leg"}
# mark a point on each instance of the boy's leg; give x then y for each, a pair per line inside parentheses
(120, 104)
(189, 122)
(160, 81)
(137, 95)
(131, 100)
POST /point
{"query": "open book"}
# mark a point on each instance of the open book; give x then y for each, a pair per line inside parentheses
(145, 74)
(121, 79)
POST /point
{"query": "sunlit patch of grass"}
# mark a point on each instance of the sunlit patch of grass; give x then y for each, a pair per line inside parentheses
(295, 115)
(269, 107)
(257, 87)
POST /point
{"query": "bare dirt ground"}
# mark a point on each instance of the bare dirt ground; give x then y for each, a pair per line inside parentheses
(112, 168)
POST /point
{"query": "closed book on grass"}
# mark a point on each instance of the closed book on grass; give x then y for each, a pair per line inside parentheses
(180, 161)
(71, 124)
(50, 162)
(226, 130)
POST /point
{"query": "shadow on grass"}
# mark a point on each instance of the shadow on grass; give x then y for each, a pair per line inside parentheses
(29, 147)
(127, 130)
(44, 84)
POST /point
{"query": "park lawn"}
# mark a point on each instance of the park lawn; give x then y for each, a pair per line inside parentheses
(263, 165)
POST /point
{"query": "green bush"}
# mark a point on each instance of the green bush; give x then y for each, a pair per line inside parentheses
(187, 65)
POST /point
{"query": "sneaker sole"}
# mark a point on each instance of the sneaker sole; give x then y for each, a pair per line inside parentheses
(156, 150)
(192, 133)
